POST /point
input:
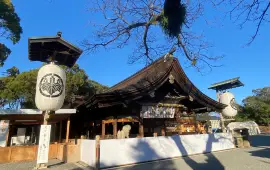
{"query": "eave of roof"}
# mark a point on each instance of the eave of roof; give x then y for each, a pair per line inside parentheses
(63, 52)
(193, 91)
(55, 39)
(231, 83)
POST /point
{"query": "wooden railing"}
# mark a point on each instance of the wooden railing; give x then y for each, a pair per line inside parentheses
(67, 152)
(25, 153)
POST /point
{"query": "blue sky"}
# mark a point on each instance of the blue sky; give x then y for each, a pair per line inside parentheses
(46, 17)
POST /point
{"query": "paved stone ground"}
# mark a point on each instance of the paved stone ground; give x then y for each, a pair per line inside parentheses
(254, 158)
(53, 165)
(236, 159)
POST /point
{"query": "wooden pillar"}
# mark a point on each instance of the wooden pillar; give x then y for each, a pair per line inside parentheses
(103, 130)
(163, 132)
(196, 124)
(141, 132)
(60, 132)
(67, 131)
(65, 151)
(181, 129)
(7, 135)
(46, 117)
(115, 128)
(97, 152)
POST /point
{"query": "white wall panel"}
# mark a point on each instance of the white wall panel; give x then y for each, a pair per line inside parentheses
(88, 152)
(117, 152)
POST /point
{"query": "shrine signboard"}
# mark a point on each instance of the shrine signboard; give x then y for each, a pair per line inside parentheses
(44, 144)
(157, 112)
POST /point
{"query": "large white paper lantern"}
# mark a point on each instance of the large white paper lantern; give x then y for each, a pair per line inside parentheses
(50, 88)
(228, 99)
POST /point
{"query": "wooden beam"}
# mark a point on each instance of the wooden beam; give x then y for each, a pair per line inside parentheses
(119, 120)
(127, 120)
(108, 121)
(115, 128)
(103, 129)
(67, 131)
(199, 109)
(180, 97)
(170, 105)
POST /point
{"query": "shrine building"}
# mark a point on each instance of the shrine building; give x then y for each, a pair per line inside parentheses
(157, 100)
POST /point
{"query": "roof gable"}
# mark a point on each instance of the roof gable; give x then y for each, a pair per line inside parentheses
(151, 78)
(148, 73)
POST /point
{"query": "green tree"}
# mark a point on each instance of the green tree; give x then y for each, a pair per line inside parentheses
(19, 90)
(78, 84)
(10, 28)
(4, 53)
(257, 107)
(12, 72)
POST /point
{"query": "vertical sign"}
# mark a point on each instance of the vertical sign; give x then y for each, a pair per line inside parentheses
(44, 144)
(3, 132)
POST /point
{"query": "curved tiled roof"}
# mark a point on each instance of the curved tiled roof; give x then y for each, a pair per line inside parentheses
(149, 79)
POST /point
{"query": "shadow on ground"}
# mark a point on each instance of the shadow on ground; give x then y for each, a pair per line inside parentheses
(263, 153)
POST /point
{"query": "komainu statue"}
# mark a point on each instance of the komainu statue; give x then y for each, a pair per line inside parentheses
(124, 133)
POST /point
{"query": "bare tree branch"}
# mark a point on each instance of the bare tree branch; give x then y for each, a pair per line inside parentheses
(261, 18)
(128, 22)
(180, 44)
(243, 11)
